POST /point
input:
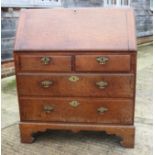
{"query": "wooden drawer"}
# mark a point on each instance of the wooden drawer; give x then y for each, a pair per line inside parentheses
(44, 63)
(102, 85)
(106, 63)
(77, 110)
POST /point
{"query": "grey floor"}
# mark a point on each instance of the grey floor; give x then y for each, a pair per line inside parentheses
(83, 143)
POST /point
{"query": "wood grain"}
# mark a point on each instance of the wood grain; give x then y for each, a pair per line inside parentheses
(33, 63)
(127, 133)
(118, 85)
(115, 63)
(118, 111)
(75, 29)
(73, 39)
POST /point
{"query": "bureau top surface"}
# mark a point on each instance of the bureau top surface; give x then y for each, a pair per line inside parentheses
(76, 29)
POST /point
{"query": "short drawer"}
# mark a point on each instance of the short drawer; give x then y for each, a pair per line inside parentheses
(111, 85)
(44, 63)
(103, 63)
(107, 111)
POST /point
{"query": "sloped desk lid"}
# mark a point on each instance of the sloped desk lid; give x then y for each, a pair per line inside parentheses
(76, 29)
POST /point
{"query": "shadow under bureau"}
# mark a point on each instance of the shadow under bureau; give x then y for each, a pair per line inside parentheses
(76, 70)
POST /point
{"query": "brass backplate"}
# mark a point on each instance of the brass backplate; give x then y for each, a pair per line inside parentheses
(73, 78)
(74, 103)
(102, 110)
(102, 84)
(45, 60)
(102, 60)
(46, 83)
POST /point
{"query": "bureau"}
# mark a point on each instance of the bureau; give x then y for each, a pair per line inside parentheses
(76, 70)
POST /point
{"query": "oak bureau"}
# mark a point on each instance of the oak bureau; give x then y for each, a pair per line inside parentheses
(76, 70)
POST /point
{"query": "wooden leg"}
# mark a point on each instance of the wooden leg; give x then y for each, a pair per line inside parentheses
(26, 134)
(128, 139)
(127, 133)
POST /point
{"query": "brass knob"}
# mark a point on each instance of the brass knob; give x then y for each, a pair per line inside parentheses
(102, 60)
(48, 108)
(102, 84)
(102, 110)
(74, 103)
(46, 83)
(45, 60)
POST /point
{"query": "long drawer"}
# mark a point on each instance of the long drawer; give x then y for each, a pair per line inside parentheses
(84, 85)
(108, 111)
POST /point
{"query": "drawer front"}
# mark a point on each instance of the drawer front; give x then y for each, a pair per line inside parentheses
(77, 110)
(44, 63)
(107, 63)
(76, 85)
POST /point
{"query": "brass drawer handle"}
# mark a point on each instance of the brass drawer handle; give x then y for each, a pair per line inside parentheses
(48, 108)
(102, 84)
(45, 60)
(46, 83)
(102, 110)
(74, 103)
(102, 60)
